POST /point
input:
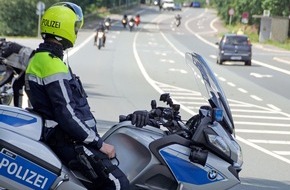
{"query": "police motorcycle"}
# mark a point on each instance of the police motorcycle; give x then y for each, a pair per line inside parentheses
(11, 68)
(168, 153)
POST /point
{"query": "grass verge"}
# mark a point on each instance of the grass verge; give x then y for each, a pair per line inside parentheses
(252, 32)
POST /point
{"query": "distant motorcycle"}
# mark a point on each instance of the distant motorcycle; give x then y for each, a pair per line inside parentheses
(137, 20)
(131, 24)
(99, 39)
(124, 21)
(177, 20)
(107, 24)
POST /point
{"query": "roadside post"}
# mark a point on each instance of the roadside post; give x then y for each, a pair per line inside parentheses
(245, 20)
(39, 11)
(231, 13)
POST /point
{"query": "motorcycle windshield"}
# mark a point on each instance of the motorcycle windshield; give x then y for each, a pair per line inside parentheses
(209, 87)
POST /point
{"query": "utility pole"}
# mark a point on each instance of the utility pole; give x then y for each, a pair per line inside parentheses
(39, 11)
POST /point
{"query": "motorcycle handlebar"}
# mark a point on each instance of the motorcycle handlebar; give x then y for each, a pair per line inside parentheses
(166, 116)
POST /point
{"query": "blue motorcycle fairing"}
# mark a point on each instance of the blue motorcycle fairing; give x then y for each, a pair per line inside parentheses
(16, 119)
(186, 171)
(21, 121)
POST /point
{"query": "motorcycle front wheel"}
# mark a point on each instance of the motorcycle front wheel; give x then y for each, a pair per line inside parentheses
(6, 99)
(99, 43)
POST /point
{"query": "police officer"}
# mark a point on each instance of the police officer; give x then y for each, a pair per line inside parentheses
(57, 94)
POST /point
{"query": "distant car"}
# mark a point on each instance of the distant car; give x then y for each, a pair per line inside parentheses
(196, 4)
(177, 7)
(168, 4)
(234, 47)
(186, 4)
(156, 2)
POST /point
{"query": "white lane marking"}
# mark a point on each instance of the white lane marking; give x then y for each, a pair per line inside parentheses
(178, 70)
(263, 131)
(273, 107)
(73, 50)
(222, 79)
(197, 35)
(271, 50)
(281, 60)
(256, 98)
(242, 90)
(251, 111)
(267, 117)
(231, 84)
(257, 75)
(284, 153)
(236, 103)
(158, 89)
(272, 67)
(258, 141)
(263, 150)
(261, 124)
(213, 45)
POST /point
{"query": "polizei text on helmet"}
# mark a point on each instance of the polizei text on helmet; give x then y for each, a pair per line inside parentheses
(50, 23)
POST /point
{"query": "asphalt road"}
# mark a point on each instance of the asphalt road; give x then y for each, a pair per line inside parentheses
(137, 66)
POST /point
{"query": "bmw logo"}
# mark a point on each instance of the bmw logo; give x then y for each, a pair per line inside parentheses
(212, 174)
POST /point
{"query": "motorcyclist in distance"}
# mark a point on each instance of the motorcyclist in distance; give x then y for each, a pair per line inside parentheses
(132, 19)
(125, 20)
(57, 94)
(100, 28)
(178, 19)
(137, 20)
(107, 22)
(131, 23)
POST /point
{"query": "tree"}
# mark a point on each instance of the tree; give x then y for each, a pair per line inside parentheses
(253, 7)
(19, 18)
(277, 7)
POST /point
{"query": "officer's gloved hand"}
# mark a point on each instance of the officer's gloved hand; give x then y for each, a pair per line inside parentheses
(9, 48)
(140, 118)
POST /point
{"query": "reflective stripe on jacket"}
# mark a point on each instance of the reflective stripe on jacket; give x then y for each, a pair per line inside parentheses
(57, 94)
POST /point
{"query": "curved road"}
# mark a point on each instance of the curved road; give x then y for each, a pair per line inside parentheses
(137, 66)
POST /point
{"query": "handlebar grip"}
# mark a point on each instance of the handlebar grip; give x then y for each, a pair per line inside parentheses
(125, 117)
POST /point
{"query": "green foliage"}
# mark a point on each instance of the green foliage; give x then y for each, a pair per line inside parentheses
(253, 7)
(19, 18)
(277, 7)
